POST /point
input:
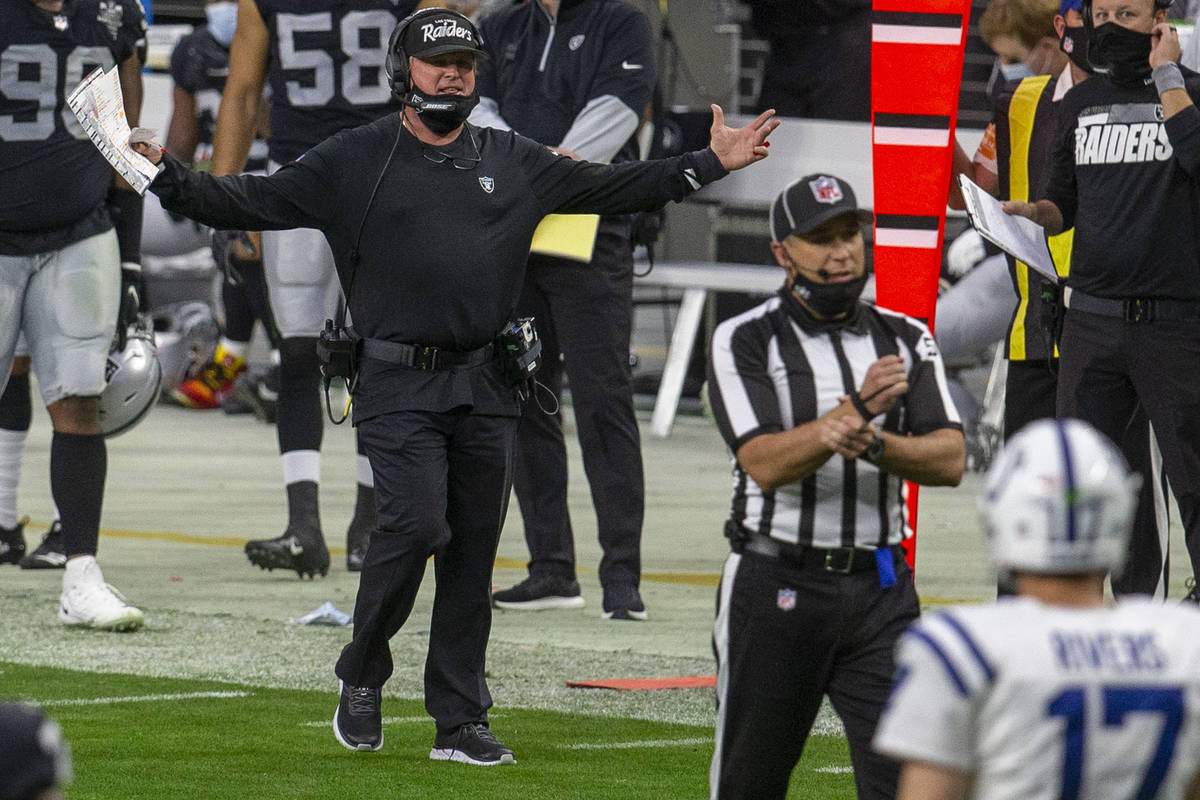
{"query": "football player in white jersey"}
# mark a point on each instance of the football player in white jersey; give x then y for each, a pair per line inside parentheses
(1052, 693)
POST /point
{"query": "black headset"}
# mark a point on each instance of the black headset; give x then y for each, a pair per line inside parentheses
(395, 64)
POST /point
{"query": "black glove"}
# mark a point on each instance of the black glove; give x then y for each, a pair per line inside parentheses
(130, 301)
(223, 243)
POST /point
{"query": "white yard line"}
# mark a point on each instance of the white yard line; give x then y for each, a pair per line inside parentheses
(637, 745)
(835, 770)
(142, 698)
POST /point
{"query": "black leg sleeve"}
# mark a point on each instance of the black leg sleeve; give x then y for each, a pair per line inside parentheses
(78, 467)
(299, 424)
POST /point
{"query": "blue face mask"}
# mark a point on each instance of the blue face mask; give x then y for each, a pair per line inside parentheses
(1015, 72)
(222, 21)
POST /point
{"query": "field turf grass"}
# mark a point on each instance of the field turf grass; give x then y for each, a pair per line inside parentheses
(137, 737)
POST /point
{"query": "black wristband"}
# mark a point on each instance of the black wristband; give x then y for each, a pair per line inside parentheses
(861, 407)
(125, 208)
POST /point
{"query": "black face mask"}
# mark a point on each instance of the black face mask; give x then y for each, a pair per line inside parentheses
(829, 299)
(442, 113)
(1122, 54)
(1074, 43)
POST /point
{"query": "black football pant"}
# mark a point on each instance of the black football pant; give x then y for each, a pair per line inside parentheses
(1110, 368)
(778, 653)
(1030, 394)
(584, 312)
(442, 480)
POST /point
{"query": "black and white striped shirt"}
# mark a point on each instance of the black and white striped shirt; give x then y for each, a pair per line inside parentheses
(774, 368)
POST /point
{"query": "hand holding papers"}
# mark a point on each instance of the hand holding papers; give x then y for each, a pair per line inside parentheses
(1018, 236)
(100, 109)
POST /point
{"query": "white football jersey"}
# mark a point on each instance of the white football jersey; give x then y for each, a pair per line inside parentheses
(1051, 702)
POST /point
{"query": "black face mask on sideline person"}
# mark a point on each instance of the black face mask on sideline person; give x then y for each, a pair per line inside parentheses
(1074, 43)
(1122, 54)
(442, 113)
(829, 299)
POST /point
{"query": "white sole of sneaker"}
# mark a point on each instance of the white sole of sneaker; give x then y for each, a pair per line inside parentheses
(541, 604)
(358, 748)
(126, 623)
(450, 754)
(640, 616)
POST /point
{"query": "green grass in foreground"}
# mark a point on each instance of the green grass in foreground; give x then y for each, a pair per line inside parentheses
(261, 744)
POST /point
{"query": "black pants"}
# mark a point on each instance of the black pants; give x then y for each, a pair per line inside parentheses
(584, 312)
(1030, 394)
(774, 663)
(1110, 368)
(442, 482)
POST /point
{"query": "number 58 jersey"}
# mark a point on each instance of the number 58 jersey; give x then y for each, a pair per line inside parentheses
(1051, 702)
(326, 68)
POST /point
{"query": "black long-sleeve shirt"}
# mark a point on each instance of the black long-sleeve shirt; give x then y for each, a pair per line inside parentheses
(441, 253)
(1130, 184)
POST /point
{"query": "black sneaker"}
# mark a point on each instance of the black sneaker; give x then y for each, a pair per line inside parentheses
(260, 393)
(472, 743)
(358, 723)
(12, 542)
(301, 549)
(538, 592)
(622, 601)
(51, 553)
(1193, 595)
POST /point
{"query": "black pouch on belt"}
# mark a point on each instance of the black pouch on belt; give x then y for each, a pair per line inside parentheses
(520, 351)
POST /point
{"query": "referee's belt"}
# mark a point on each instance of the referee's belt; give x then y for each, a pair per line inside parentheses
(1132, 309)
(834, 559)
(425, 358)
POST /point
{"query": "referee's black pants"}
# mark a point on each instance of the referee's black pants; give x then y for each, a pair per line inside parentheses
(1030, 394)
(584, 312)
(1109, 368)
(775, 663)
(442, 480)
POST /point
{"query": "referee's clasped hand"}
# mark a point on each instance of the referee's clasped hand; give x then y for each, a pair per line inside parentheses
(741, 147)
(886, 382)
(840, 434)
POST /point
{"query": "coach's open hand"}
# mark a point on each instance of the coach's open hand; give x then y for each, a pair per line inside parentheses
(740, 147)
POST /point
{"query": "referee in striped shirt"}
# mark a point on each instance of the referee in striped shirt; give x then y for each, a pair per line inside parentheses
(828, 405)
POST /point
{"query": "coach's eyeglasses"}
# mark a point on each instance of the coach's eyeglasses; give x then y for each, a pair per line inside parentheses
(459, 162)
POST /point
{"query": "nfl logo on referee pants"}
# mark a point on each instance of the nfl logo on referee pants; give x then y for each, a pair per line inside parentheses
(786, 599)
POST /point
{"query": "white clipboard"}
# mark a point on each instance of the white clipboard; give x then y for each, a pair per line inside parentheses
(1020, 237)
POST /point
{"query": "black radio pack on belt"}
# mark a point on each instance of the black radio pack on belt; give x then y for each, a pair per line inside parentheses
(520, 352)
(338, 349)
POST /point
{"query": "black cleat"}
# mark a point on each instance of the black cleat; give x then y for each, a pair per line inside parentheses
(473, 744)
(358, 538)
(12, 542)
(358, 722)
(50, 554)
(301, 549)
(260, 393)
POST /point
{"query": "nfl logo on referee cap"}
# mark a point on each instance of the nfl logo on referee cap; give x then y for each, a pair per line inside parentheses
(786, 599)
(826, 190)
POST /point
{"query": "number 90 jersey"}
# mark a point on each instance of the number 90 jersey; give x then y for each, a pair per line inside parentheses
(1051, 703)
(326, 68)
(51, 175)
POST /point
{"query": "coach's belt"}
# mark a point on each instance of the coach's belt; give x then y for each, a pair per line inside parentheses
(423, 357)
(1132, 309)
(835, 559)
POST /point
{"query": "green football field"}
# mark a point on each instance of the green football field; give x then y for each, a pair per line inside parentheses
(137, 737)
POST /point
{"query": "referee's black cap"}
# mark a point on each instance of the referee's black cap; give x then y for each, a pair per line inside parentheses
(809, 203)
(436, 32)
(33, 755)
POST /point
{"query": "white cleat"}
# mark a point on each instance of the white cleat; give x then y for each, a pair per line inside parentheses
(87, 601)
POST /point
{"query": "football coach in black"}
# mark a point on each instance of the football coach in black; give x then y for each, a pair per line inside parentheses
(430, 221)
(828, 405)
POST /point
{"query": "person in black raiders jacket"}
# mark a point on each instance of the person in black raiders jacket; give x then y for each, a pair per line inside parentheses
(430, 221)
(575, 75)
(1126, 174)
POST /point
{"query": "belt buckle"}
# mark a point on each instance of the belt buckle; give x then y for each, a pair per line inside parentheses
(1139, 310)
(427, 358)
(831, 566)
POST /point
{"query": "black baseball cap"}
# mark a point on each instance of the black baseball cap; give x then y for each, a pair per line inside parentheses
(33, 755)
(440, 31)
(809, 203)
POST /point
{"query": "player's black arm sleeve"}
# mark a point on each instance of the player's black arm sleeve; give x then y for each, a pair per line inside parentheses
(294, 197)
(581, 187)
(1183, 130)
